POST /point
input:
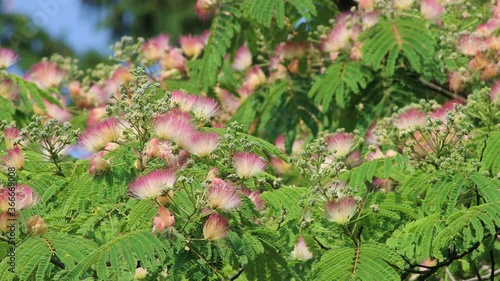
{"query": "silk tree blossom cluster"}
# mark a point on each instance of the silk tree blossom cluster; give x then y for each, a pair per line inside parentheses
(223, 196)
(152, 185)
(248, 164)
(24, 198)
(7, 57)
(300, 251)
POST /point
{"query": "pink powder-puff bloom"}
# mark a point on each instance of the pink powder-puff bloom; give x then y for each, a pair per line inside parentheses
(279, 165)
(254, 78)
(338, 38)
(14, 158)
(245, 91)
(173, 125)
(431, 9)
(204, 9)
(112, 84)
(409, 119)
(205, 107)
(215, 227)
(495, 92)
(98, 136)
(61, 114)
(173, 59)
(456, 81)
(248, 164)
(341, 210)
(366, 5)
(203, 144)
(470, 44)
(402, 4)
(192, 46)
(441, 113)
(341, 143)
(24, 196)
(377, 154)
(383, 184)
(223, 196)
(301, 252)
(154, 48)
(46, 74)
(486, 29)
(10, 135)
(356, 51)
(229, 102)
(152, 185)
(369, 19)
(163, 220)
(8, 90)
(354, 159)
(242, 58)
(254, 196)
(98, 164)
(183, 100)
(205, 35)
(96, 115)
(7, 57)
(291, 50)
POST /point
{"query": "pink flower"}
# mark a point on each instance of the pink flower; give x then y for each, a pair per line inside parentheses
(14, 159)
(96, 115)
(341, 143)
(242, 58)
(215, 227)
(229, 102)
(301, 252)
(254, 78)
(10, 134)
(369, 19)
(7, 57)
(470, 44)
(441, 113)
(173, 59)
(291, 50)
(356, 51)
(154, 48)
(456, 81)
(163, 220)
(203, 144)
(36, 225)
(205, 107)
(254, 196)
(341, 210)
(248, 164)
(46, 74)
(61, 114)
(409, 119)
(192, 46)
(340, 36)
(24, 197)
(174, 125)
(366, 5)
(183, 100)
(98, 164)
(223, 196)
(98, 136)
(152, 185)
(495, 92)
(431, 9)
(204, 9)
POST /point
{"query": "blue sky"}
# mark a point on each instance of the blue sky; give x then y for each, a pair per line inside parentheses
(69, 20)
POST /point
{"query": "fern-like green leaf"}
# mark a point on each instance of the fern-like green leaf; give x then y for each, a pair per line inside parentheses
(285, 198)
(262, 11)
(394, 37)
(491, 158)
(340, 79)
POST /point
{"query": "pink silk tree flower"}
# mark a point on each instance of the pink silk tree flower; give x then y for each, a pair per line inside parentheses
(203, 144)
(46, 74)
(254, 196)
(242, 58)
(24, 195)
(98, 136)
(223, 196)
(204, 9)
(215, 227)
(495, 92)
(173, 125)
(173, 59)
(10, 134)
(163, 220)
(456, 81)
(36, 225)
(341, 143)
(339, 37)
(248, 164)
(402, 4)
(14, 159)
(98, 164)
(152, 185)
(183, 100)
(192, 46)
(301, 252)
(470, 44)
(431, 9)
(254, 78)
(154, 48)
(205, 107)
(61, 114)
(341, 210)
(409, 119)
(7, 57)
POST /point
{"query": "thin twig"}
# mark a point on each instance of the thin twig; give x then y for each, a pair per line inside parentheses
(450, 275)
(492, 276)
